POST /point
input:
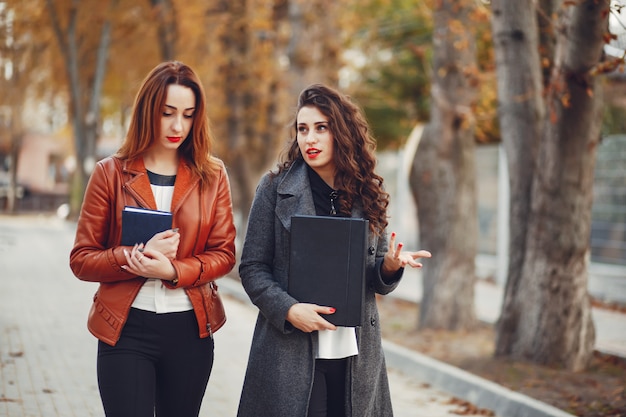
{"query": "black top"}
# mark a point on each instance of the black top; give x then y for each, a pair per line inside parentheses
(324, 197)
(162, 180)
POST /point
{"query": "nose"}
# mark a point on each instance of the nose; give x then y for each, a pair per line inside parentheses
(177, 125)
(311, 138)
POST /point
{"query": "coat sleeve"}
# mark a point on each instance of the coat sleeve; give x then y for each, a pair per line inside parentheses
(91, 258)
(378, 283)
(259, 276)
(218, 256)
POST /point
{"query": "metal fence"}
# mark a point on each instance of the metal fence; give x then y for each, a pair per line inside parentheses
(608, 227)
(608, 234)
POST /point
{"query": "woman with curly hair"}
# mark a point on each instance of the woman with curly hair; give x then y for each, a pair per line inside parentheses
(300, 364)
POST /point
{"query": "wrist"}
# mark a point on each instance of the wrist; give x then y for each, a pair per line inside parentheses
(385, 270)
(174, 277)
(387, 273)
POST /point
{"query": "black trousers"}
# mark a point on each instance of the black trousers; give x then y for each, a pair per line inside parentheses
(328, 395)
(160, 366)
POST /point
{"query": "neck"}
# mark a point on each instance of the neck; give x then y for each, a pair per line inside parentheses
(328, 176)
(161, 162)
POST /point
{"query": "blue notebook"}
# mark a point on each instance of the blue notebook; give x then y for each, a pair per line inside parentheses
(140, 224)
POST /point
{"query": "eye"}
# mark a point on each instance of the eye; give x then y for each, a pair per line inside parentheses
(302, 129)
(188, 116)
(167, 114)
(322, 128)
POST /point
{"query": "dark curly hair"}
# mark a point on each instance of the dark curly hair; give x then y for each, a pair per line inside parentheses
(354, 154)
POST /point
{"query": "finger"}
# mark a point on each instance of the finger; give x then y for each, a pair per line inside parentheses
(130, 260)
(392, 241)
(134, 258)
(134, 252)
(423, 254)
(329, 326)
(167, 233)
(323, 309)
(398, 250)
(328, 310)
(323, 324)
(414, 264)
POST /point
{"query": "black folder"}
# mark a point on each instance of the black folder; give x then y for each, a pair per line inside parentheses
(327, 265)
(140, 224)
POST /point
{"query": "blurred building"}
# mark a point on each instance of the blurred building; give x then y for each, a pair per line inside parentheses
(42, 173)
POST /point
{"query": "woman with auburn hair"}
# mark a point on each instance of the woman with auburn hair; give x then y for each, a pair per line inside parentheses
(300, 364)
(157, 305)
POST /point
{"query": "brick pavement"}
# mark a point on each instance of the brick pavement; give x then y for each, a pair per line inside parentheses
(47, 356)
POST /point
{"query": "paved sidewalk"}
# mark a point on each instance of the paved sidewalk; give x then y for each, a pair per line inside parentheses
(47, 356)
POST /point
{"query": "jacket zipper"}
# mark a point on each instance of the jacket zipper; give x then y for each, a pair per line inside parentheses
(206, 313)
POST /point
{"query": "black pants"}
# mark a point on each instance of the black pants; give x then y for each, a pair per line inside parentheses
(328, 395)
(160, 364)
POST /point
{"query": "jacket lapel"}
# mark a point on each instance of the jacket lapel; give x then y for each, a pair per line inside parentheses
(138, 185)
(185, 182)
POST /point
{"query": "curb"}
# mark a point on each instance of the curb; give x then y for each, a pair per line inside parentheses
(469, 387)
(449, 379)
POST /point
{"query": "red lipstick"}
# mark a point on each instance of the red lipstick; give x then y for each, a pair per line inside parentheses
(313, 153)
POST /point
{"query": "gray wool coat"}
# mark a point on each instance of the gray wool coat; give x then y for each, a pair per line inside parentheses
(280, 368)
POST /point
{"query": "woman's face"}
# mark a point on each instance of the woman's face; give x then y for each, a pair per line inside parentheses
(176, 117)
(316, 142)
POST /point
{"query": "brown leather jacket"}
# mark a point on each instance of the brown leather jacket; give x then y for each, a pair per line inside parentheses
(206, 250)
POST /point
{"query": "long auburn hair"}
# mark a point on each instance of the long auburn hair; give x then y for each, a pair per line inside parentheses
(145, 123)
(354, 153)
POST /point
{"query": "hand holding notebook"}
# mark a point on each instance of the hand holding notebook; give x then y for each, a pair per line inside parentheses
(140, 224)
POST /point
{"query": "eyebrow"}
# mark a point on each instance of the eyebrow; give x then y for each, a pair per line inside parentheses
(315, 123)
(175, 108)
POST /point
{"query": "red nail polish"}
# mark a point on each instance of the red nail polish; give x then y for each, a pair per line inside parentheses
(332, 310)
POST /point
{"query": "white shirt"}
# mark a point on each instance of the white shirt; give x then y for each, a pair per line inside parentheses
(337, 344)
(153, 295)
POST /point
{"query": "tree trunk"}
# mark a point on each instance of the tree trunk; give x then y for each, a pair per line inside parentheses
(165, 14)
(258, 100)
(547, 38)
(17, 135)
(546, 315)
(84, 98)
(521, 113)
(13, 92)
(234, 44)
(315, 61)
(443, 175)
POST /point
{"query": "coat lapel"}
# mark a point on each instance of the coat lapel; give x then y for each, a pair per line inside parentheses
(294, 195)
